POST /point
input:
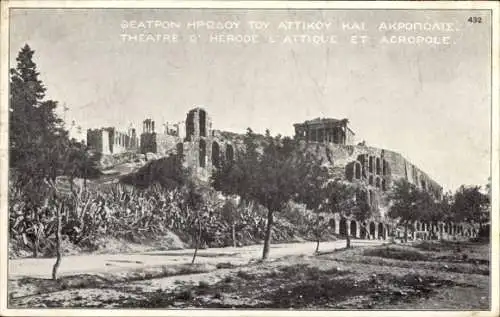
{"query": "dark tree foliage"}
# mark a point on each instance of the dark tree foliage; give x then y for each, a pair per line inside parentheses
(36, 134)
(471, 205)
(267, 176)
(406, 198)
(39, 146)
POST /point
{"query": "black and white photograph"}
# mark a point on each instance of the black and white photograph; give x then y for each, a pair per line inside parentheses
(246, 158)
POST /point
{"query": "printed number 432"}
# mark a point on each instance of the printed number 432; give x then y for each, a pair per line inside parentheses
(474, 20)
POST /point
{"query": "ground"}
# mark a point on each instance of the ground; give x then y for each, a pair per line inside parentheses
(371, 275)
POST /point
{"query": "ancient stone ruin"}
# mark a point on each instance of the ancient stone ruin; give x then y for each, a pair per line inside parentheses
(331, 140)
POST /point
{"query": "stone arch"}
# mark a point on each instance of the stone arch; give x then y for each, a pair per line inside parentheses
(361, 159)
(423, 184)
(229, 153)
(378, 168)
(370, 164)
(362, 231)
(180, 149)
(215, 154)
(381, 230)
(385, 167)
(349, 171)
(373, 229)
(343, 226)
(190, 125)
(202, 114)
(354, 229)
(333, 224)
(202, 153)
(357, 170)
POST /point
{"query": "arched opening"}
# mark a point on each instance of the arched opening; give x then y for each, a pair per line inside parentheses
(349, 171)
(354, 229)
(190, 125)
(332, 224)
(357, 170)
(343, 226)
(385, 167)
(379, 169)
(215, 154)
(361, 159)
(180, 149)
(203, 153)
(370, 180)
(384, 186)
(362, 232)
(372, 229)
(229, 153)
(381, 231)
(422, 183)
(203, 122)
(370, 164)
(377, 182)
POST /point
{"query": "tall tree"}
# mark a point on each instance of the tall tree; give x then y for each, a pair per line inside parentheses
(340, 197)
(264, 176)
(36, 134)
(405, 198)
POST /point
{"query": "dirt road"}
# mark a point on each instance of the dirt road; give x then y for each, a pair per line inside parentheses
(103, 263)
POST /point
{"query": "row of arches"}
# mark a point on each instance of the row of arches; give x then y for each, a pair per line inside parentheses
(354, 172)
(356, 229)
(445, 228)
(217, 156)
(376, 165)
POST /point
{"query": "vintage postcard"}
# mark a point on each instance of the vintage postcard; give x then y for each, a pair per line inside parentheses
(249, 158)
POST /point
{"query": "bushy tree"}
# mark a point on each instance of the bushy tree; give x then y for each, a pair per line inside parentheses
(267, 177)
(340, 197)
(471, 205)
(37, 138)
(408, 204)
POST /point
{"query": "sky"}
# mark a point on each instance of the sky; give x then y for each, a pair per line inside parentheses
(430, 102)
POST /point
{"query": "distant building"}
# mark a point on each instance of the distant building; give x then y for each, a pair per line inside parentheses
(325, 130)
(109, 140)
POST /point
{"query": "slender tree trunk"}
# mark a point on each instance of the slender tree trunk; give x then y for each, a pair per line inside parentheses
(348, 240)
(36, 242)
(406, 233)
(267, 238)
(317, 245)
(197, 243)
(58, 243)
(233, 233)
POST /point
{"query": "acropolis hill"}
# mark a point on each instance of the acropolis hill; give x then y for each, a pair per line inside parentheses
(330, 140)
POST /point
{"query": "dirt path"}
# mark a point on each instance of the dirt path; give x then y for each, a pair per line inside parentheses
(104, 263)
